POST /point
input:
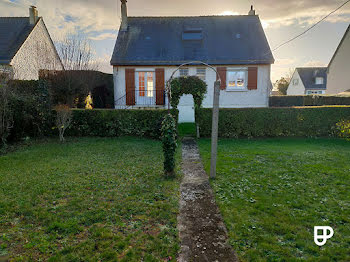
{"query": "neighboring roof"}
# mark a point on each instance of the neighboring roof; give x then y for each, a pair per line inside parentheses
(340, 44)
(13, 32)
(308, 75)
(225, 40)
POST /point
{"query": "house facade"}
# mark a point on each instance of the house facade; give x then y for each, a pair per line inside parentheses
(338, 70)
(26, 46)
(308, 81)
(149, 50)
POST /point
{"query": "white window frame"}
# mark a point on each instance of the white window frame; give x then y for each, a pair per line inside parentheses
(147, 93)
(200, 75)
(183, 70)
(295, 82)
(237, 89)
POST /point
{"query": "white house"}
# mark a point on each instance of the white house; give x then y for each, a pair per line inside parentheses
(149, 49)
(26, 46)
(308, 81)
(338, 70)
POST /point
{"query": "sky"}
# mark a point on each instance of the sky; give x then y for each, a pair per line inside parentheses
(281, 19)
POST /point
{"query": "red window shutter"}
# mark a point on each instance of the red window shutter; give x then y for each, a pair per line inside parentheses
(130, 86)
(222, 73)
(160, 86)
(252, 78)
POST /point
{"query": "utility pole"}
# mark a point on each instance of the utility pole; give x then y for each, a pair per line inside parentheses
(215, 129)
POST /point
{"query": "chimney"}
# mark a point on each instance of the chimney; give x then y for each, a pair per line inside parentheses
(33, 15)
(251, 11)
(124, 24)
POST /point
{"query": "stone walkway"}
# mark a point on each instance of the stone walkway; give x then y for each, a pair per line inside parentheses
(203, 235)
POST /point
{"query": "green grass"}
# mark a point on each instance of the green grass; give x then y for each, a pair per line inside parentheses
(89, 199)
(272, 193)
(187, 129)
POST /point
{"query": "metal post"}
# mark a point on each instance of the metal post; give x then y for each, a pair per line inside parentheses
(214, 129)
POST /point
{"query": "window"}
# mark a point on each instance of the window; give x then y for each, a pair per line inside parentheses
(315, 92)
(295, 82)
(145, 84)
(201, 73)
(319, 80)
(184, 72)
(236, 79)
(192, 34)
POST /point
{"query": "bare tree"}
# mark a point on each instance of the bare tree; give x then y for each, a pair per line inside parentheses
(79, 76)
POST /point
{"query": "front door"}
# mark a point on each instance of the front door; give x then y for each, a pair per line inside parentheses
(145, 92)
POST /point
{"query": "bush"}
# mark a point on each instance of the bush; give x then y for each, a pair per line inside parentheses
(31, 106)
(109, 123)
(274, 122)
(314, 100)
(169, 144)
(6, 114)
(343, 128)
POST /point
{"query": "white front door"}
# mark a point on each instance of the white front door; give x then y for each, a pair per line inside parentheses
(145, 93)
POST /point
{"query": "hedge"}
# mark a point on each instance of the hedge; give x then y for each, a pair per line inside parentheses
(308, 100)
(274, 122)
(30, 120)
(109, 123)
(30, 105)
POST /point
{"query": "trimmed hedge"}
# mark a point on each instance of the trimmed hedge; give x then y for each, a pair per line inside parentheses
(308, 100)
(109, 123)
(274, 122)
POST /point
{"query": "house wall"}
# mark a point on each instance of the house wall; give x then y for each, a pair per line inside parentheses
(338, 79)
(37, 52)
(296, 89)
(228, 99)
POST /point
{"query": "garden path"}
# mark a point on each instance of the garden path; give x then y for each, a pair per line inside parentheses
(202, 232)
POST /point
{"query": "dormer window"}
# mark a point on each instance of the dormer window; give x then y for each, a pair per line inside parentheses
(319, 80)
(192, 34)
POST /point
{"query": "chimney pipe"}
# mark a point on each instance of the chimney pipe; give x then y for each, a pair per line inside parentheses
(252, 11)
(124, 24)
(33, 15)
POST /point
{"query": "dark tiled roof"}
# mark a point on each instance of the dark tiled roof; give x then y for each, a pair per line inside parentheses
(13, 32)
(308, 75)
(225, 40)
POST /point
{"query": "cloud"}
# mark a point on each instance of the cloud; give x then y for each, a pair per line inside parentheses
(285, 13)
(315, 64)
(99, 20)
(103, 36)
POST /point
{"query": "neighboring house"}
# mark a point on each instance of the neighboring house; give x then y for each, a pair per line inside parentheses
(26, 46)
(338, 70)
(149, 49)
(308, 81)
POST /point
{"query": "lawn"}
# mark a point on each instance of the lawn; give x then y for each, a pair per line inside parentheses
(272, 193)
(187, 129)
(90, 199)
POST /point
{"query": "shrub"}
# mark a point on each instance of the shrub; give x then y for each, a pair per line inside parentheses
(109, 123)
(6, 114)
(169, 144)
(63, 119)
(343, 128)
(187, 85)
(274, 122)
(308, 100)
(31, 106)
